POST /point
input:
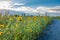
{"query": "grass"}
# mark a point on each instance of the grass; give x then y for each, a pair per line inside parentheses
(58, 17)
(22, 27)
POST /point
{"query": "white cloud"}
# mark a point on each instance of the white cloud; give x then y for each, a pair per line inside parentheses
(49, 9)
(24, 9)
(57, 7)
(28, 9)
(4, 4)
(9, 5)
(40, 9)
(19, 4)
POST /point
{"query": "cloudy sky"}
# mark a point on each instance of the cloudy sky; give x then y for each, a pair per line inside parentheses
(31, 6)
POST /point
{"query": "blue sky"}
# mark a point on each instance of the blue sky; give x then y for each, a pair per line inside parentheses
(34, 3)
(31, 6)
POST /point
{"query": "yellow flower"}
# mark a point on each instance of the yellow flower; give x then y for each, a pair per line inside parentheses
(1, 26)
(1, 33)
(35, 17)
(19, 18)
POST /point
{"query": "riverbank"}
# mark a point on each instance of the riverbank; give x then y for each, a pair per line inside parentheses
(52, 32)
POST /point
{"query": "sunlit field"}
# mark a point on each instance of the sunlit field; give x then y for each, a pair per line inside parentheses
(22, 27)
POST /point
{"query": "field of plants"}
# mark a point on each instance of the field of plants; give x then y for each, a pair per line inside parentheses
(22, 27)
(58, 17)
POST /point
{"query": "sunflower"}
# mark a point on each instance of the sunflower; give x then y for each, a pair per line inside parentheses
(35, 17)
(19, 18)
(1, 33)
(1, 26)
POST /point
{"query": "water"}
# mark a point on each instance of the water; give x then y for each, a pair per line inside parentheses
(52, 32)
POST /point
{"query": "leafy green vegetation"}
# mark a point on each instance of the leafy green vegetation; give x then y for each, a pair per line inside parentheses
(58, 17)
(22, 27)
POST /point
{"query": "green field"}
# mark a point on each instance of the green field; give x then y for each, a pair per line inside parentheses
(57, 17)
(22, 27)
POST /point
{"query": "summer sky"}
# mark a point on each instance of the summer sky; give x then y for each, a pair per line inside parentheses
(31, 6)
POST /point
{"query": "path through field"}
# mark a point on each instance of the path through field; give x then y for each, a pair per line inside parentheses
(52, 32)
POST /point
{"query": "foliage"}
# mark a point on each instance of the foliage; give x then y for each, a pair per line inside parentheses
(58, 17)
(22, 27)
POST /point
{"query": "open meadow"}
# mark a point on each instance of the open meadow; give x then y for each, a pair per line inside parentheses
(22, 27)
